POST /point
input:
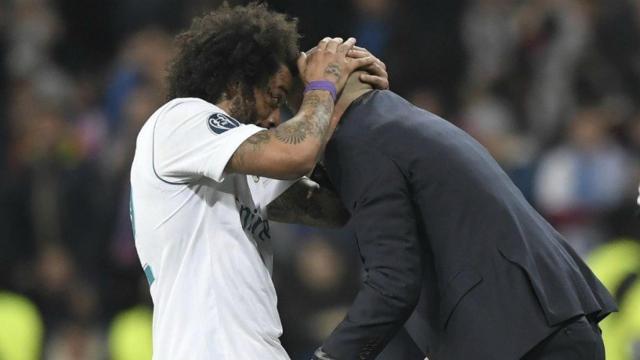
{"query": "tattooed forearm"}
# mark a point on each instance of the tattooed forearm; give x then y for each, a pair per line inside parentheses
(316, 116)
(268, 153)
(294, 134)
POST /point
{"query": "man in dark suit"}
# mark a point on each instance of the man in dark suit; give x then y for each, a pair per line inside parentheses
(452, 250)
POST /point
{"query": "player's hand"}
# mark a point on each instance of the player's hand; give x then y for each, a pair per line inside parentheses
(321, 355)
(329, 62)
(377, 72)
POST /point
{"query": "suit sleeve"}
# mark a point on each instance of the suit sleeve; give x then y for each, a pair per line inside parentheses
(386, 232)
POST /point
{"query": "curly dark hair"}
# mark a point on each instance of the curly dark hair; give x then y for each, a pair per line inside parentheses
(242, 44)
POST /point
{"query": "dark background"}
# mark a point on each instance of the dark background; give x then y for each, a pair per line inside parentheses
(550, 87)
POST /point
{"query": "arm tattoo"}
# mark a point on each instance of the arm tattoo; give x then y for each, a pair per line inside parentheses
(293, 134)
(312, 122)
(258, 139)
(316, 112)
(253, 144)
(333, 70)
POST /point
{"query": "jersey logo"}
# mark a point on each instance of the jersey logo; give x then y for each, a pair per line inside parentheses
(219, 123)
(254, 223)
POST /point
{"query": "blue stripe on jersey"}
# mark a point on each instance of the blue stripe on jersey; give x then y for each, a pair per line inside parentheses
(131, 213)
(149, 274)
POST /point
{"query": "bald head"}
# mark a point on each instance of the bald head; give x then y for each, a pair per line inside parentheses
(353, 89)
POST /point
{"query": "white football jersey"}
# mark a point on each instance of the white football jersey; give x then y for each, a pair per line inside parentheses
(203, 237)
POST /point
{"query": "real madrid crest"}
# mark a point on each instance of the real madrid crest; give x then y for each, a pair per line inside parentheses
(219, 123)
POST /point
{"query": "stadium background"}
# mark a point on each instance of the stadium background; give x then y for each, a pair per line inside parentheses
(550, 87)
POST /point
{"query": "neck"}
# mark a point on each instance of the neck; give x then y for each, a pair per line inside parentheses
(352, 91)
(225, 105)
(342, 106)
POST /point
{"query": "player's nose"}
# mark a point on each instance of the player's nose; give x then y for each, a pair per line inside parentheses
(274, 119)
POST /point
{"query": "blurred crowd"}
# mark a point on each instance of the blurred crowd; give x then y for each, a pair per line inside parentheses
(550, 87)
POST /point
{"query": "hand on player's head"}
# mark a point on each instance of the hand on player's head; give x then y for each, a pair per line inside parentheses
(329, 62)
(376, 75)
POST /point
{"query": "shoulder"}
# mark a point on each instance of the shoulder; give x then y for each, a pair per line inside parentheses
(194, 112)
(181, 108)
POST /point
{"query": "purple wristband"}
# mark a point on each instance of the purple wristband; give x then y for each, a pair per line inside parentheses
(322, 85)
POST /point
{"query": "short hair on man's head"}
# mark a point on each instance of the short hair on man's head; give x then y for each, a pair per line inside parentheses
(243, 45)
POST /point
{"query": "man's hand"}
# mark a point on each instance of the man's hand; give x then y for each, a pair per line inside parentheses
(329, 62)
(321, 355)
(377, 72)
(309, 203)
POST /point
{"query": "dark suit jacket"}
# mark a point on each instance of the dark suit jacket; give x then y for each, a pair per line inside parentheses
(444, 234)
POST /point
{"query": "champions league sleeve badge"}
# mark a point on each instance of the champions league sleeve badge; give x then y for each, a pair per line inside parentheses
(219, 123)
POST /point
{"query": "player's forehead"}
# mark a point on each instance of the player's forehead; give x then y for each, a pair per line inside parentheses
(282, 80)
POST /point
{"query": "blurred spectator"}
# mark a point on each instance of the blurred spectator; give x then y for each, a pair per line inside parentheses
(314, 295)
(617, 33)
(372, 25)
(491, 121)
(554, 34)
(33, 30)
(3, 92)
(75, 341)
(582, 178)
(633, 133)
(427, 99)
(490, 38)
(426, 49)
(143, 60)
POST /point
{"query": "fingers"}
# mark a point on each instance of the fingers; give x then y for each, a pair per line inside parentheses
(323, 43)
(330, 61)
(302, 62)
(378, 82)
(356, 54)
(312, 50)
(360, 51)
(381, 64)
(346, 46)
(376, 70)
(376, 76)
(333, 44)
(312, 186)
(361, 63)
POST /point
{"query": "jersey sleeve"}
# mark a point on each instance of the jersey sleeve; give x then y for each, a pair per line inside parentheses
(193, 138)
(265, 190)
